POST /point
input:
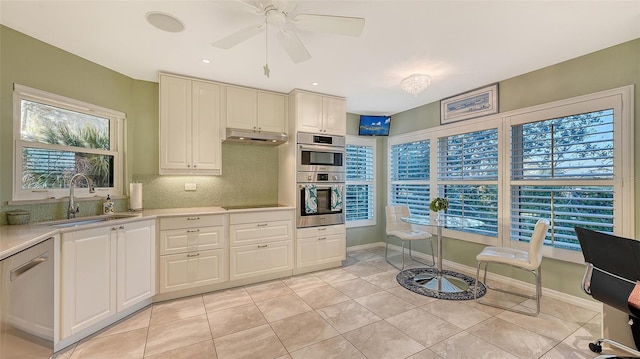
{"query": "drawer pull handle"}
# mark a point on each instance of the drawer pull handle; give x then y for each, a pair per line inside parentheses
(193, 255)
(263, 225)
(193, 218)
(263, 246)
(322, 238)
(322, 229)
(194, 231)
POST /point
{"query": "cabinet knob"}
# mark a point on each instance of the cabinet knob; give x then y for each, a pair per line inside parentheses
(114, 228)
(121, 227)
(194, 166)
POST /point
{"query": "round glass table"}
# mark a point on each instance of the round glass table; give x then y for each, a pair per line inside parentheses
(439, 281)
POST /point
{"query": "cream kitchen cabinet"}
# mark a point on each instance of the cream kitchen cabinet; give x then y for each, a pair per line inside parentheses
(260, 243)
(190, 126)
(192, 251)
(320, 245)
(317, 113)
(255, 110)
(105, 270)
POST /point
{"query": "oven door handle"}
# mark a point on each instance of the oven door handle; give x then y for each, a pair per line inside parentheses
(322, 148)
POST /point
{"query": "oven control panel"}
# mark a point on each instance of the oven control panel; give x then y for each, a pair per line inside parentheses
(320, 177)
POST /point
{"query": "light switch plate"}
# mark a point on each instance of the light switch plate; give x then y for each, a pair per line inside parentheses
(189, 186)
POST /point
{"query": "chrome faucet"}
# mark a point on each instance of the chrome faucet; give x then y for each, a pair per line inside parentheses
(73, 207)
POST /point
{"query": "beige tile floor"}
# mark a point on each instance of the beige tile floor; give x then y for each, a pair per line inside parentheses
(356, 311)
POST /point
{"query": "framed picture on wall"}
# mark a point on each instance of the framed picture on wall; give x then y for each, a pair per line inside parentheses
(475, 103)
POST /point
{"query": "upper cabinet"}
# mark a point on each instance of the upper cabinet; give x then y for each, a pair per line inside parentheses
(255, 110)
(320, 114)
(190, 139)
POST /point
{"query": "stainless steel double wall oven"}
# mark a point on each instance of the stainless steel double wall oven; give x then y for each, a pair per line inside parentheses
(320, 180)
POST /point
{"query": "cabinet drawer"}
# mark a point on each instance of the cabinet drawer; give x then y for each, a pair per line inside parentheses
(259, 259)
(261, 232)
(183, 240)
(254, 217)
(311, 251)
(190, 270)
(207, 220)
(314, 232)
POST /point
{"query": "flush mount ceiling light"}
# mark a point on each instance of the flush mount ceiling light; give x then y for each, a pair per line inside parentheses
(164, 21)
(415, 83)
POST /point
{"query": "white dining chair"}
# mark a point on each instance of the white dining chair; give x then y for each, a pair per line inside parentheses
(528, 261)
(405, 232)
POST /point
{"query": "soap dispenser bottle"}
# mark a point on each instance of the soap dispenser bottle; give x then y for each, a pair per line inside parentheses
(108, 206)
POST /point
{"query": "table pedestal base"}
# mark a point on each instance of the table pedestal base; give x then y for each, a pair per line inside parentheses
(441, 283)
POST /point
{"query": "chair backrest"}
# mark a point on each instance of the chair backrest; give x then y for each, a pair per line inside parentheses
(394, 213)
(536, 242)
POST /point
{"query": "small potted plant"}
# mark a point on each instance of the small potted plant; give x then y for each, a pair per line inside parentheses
(439, 205)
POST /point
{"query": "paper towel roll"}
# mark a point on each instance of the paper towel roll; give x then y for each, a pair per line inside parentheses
(135, 196)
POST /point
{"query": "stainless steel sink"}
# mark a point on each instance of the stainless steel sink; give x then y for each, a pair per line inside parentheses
(75, 222)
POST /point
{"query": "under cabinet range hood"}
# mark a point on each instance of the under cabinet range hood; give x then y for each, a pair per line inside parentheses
(256, 138)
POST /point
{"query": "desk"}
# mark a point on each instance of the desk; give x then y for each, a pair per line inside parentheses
(441, 282)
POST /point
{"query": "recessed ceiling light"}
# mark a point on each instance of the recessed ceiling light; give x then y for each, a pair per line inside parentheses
(314, 83)
(164, 21)
(206, 61)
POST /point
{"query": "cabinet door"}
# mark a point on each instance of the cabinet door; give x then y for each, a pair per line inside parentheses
(259, 259)
(241, 108)
(88, 275)
(136, 263)
(309, 112)
(207, 145)
(334, 112)
(175, 241)
(260, 232)
(175, 123)
(190, 270)
(271, 112)
(319, 250)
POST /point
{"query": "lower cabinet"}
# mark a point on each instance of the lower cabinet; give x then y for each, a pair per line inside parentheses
(105, 270)
(190, 270)
(319, 245)
(192, 251)
(260, 243)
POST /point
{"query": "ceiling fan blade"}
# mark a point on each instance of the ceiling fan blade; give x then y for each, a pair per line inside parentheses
(238, 37)
(293, 46)
(341, 25)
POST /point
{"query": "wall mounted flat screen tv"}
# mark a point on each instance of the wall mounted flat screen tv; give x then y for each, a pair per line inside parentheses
(374, 125)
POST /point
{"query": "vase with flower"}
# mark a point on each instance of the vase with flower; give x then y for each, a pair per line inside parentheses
(440, 206)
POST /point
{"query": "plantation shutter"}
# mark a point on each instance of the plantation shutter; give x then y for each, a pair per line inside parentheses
(359, 172)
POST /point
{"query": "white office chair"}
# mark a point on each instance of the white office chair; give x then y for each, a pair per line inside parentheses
(404, 232)
(526, 260)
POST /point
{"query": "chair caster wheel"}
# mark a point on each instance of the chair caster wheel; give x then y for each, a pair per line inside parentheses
(595, 347)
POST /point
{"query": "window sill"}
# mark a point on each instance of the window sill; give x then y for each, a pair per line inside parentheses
(62, 199)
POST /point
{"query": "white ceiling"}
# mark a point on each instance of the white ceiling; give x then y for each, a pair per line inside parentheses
(461, 44)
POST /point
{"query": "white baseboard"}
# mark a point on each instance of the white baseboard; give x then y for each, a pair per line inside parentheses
(514, 283)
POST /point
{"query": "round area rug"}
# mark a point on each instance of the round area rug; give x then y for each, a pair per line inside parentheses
(407, 278)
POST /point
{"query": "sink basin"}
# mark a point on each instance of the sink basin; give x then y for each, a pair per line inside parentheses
(74, 222)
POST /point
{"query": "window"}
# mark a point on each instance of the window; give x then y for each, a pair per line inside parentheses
(360, 171)
(468, 177)
(571, 161)
(409, 166)
(56, 137)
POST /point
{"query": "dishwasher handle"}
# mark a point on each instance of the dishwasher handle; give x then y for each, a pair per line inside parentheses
(15, 273)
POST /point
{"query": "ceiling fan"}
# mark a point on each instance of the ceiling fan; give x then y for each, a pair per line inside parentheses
(278, 13)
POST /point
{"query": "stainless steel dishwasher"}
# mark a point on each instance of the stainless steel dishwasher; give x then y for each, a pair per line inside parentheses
(26, 303)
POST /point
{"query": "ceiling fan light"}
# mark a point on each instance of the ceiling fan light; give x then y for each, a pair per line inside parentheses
(415, 83)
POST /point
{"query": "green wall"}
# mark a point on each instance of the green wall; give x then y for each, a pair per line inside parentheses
(30, 62)
(609, 68)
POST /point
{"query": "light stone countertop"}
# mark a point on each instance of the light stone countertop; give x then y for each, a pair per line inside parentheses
(15, 238)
